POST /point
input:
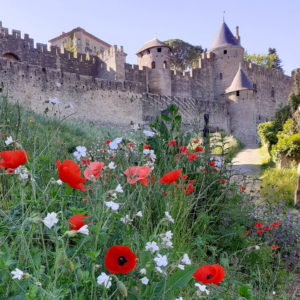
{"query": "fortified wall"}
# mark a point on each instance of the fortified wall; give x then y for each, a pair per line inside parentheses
(104, 89)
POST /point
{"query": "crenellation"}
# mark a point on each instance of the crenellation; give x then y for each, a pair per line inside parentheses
(16, 34)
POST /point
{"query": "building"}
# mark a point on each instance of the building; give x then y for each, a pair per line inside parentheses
(104, 89)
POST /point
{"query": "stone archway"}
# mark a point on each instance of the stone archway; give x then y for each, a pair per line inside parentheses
(11, 56)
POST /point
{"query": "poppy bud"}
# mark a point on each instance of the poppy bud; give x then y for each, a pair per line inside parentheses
(70, 266)
(79, 274)
(25, 275)
(122, 288)
(71, 233)
(60, 258)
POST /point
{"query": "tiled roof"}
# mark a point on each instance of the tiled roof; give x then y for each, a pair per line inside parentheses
(79, 29)
(153, 43)
(239, 83)
(224, 37)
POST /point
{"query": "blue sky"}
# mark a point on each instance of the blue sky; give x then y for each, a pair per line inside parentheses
(131, 23)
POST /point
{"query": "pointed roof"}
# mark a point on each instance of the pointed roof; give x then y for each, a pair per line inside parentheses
(223, 38)
(153, 43)
(239, 83)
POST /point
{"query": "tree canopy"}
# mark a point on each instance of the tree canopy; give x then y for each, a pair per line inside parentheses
(184, 55)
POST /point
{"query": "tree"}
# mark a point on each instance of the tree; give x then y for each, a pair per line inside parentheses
(277, 62)
(269, 61)
(184, 55)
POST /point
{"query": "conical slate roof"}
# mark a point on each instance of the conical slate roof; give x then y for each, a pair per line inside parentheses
(223, 38)
(153, 43)
(239, 83)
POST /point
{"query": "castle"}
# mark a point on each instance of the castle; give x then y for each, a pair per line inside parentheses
(99, 86)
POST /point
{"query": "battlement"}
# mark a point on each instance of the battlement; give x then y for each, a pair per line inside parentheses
(133, 73)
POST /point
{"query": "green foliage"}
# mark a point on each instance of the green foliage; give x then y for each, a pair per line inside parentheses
(268, 133)
(266, 61)
(279, 185)
(294, 101)
(289, 145)
(184, 55)
(277, 61)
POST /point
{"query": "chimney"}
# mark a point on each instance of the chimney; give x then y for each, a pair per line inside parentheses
(237, 37)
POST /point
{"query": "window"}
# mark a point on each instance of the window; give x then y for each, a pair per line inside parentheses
(221, 76)
(153, 65)
(225, 51)
(148, 51)
(237, 93)
(165, 65)
(158, 49)
(78, 42)
(254, 87)
(272, 92)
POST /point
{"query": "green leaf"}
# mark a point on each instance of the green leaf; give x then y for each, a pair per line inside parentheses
(245, 292)
(166, 118)
(181, 277)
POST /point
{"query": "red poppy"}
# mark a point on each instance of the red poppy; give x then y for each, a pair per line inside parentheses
(189, 189)
(192, 156)
(258, 225)
(198, 149)
(215, 170)
(212, 163)
(260, 232)
(275, 224)
(170, 176)
(267, 228)
(203, 170)
(119, 259)
(152, 178)
(2, 135)
(184, 177)
(13, 159)
(77, 221)
(137, 173)
(94, 169)
(242, 188)
(182, 148)
(69, 172)
(107, 142)
(9, 171)
(85, 200)
(247, 232)
(85, 162)
(210, 274)
(223, 181)
(172, 142)
(192, 181)
(275, 246)
(146, 146)
(130, 146)
(165, 194)
(195, 141)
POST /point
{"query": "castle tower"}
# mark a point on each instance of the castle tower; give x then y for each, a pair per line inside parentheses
(155, 55)
(228, 54)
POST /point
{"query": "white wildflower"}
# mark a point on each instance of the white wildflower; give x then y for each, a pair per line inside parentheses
(139, 214)
(17, 274)
(50, 220)
(185, 260)
(115, 143)
(59, 182)
(119, 189)
(202, 288)
(145, 280)
(126, 219)
(181, 267)
(151, 246)
(168, 243)
(148, 133)
(84, 230)
(136, 127)
(112, 165)
(54, 100)
(104, 279)
(9, 141)
(22, 171)
(168, 234)
(170, 219)
(158, 269)
(180, 298)
(143, 271)
(161, 260)
(80, 152)
(114, 206)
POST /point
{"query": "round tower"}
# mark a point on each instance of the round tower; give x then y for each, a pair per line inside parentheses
(155, 56)
(228, 54)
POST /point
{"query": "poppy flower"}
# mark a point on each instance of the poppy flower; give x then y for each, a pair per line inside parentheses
(267, 228)
(210, 274)
(137, 173)
(170, 176)
(212, 163)
(120, 259)
(223, 181)
(192, 156)
(94, 169)
(172, 143)
(13, 159)
(196, 141)
(275, 224)
(192, 181)
(203, 170)
(242, 188)
(258, 225)
(69, 172)
(77, 221)
(85, 162)
(274, 246)
(215, 170)
(107, 142)
(184, 177)
(198, 149)
(146, 146)
(260, 232)
(190, 189)
(182, 148)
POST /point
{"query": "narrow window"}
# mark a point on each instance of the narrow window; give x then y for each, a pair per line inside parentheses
(272, 92)
(225, 51)
(254, 88)
(148, 51)
(221, 76)
(153, 65)
(158, 49)
(165, 65)
(237, 93)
